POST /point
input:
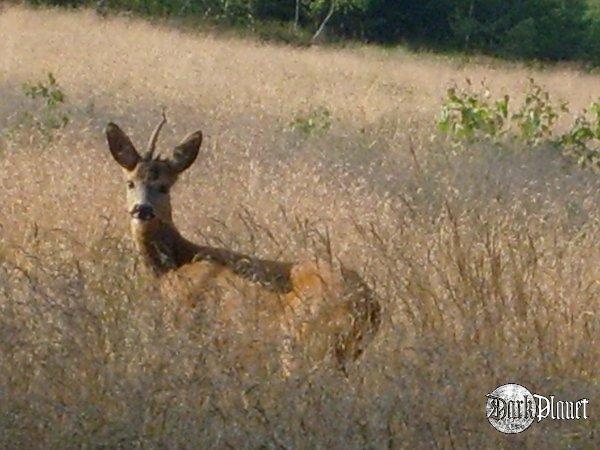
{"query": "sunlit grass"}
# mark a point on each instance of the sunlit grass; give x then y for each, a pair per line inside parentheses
(486, 261)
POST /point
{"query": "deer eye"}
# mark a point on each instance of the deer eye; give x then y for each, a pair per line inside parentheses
(163, 188)
(130, 185)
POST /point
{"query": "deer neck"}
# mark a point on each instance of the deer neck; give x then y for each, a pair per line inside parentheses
(161, 245)
(164, 249)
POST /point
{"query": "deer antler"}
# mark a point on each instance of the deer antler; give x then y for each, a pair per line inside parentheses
(154, 137)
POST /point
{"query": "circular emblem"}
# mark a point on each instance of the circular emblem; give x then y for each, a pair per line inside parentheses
(510, 408)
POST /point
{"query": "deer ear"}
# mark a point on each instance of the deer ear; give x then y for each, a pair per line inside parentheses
(121, 147)
(186, 152)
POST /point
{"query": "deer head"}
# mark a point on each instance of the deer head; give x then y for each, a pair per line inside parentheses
(149, 178)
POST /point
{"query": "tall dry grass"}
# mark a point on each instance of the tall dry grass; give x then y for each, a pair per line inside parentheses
(486, 261)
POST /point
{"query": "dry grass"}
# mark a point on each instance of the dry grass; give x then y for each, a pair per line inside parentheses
(486, 261)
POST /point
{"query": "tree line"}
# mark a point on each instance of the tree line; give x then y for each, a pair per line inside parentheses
(540, 29)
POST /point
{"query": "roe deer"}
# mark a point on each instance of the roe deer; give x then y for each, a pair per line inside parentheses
(316, 306)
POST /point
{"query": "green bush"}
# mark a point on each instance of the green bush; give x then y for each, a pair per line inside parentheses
(538, 115)
(316, 121)
(468, 115)
(49, 99)
(582, 141)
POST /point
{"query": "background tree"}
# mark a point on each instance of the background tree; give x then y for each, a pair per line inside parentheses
(543, 29)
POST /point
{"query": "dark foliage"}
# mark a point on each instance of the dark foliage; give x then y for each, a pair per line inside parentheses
(541, 29)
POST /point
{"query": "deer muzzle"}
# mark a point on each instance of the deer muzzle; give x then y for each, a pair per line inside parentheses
(143, 212)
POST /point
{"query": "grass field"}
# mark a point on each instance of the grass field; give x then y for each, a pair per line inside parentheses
(486, 261)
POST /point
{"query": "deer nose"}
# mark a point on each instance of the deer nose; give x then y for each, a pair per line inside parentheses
(143, 212)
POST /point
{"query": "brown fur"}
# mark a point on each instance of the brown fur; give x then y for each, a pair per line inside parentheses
(316, 306)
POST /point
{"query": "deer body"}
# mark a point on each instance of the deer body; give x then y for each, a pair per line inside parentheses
(308, 302)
